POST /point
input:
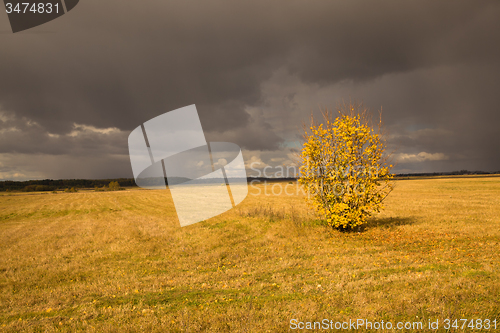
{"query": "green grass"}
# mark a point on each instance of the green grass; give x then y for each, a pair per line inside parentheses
(118, 261)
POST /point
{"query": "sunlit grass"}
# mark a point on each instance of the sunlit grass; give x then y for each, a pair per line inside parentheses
(118, 261)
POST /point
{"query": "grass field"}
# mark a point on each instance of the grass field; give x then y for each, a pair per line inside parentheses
(118, 261)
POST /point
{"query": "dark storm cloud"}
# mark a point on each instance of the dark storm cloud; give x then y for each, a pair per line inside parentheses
(452, 110)
(24, 136)
(117, 64)
(120, 70)
(365, 39)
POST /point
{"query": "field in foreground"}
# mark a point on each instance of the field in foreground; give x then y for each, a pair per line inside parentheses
(118, 261)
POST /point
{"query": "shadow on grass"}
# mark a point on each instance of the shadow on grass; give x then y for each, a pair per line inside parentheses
(381, 223)
(300, 220)
(387, 222)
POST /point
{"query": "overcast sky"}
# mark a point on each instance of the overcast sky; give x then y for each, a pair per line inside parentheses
(72, 90)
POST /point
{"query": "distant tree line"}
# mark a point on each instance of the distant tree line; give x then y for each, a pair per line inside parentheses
(452, 173)
(399, 175)
(62, 184)
(113, 186)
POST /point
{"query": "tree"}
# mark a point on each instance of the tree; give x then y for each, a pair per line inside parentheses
(114, 186)
(344, 169)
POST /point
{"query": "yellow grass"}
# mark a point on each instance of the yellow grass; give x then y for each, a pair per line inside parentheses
(118, 261)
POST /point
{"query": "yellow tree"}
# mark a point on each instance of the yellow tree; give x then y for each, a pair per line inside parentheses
(344, 168)
(114, 186)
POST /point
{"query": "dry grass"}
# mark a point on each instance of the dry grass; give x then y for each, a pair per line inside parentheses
(118, 261)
